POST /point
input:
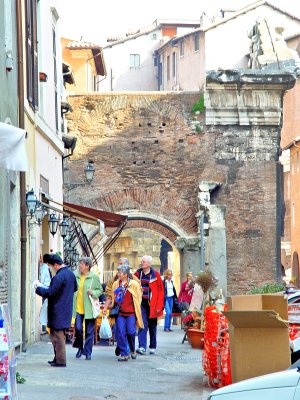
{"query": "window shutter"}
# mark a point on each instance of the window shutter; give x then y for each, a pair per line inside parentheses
(29, 65)
(31, 54)
(35, 69)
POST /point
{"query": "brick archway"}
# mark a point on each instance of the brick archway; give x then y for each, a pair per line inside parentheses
(136, 223)
(154, 206)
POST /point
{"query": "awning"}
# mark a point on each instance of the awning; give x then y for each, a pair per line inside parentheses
(12, 150)
(91, 215)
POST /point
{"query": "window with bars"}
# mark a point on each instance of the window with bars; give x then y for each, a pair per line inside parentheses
(32, 54)
(134, 61)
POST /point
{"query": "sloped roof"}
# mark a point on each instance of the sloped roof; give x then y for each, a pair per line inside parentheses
(96, 52)
(248, 8)
(79, 44)
(157, 24)
(236, 14)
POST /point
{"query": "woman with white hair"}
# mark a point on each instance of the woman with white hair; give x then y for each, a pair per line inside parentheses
(152, 304)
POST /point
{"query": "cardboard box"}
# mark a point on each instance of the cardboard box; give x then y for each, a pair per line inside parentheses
(259, 337)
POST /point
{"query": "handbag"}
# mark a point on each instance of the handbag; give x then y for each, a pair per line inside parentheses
(95, 304)
(176, 306)
(114, 311)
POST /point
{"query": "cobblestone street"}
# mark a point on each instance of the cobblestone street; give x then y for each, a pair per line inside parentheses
(175, 372)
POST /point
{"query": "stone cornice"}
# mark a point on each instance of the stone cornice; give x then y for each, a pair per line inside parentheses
(246, 97)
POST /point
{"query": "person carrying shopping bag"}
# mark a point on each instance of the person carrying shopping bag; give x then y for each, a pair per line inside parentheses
(88, 285)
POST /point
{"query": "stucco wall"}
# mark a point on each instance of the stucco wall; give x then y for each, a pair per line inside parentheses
(227, 45)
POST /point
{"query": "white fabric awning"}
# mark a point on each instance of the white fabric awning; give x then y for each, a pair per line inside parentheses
(13, 154)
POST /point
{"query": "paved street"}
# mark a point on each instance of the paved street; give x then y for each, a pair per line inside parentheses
(175, 372)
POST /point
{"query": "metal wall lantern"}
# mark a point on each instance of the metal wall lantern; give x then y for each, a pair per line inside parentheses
(63, 227)
(53, 223)
(40, 213)
(89, 171)
(31, 202)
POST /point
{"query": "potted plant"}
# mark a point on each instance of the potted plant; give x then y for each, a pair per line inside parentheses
(195, 333)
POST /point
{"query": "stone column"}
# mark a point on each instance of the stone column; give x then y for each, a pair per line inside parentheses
(213, 233)
(189, 248)
(245, 109)
(216, 245)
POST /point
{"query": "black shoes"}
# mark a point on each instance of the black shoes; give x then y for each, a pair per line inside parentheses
(117, 351)
(78, 354)
(88, 357)
(54, 364)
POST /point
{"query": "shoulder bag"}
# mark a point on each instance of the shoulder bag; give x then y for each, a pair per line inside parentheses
(114, 311)
(95, 304)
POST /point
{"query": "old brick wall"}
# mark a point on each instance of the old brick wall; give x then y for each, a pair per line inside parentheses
(148, 156)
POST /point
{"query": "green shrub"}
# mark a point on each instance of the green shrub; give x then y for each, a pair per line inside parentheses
(199, 106)
(268, 288)
(19, 378)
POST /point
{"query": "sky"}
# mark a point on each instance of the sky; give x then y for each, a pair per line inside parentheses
(94, 20)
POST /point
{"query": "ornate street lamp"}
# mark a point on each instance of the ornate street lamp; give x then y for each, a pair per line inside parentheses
(31, 202)
(40, 213)
(89, 171)
(53, 223)
(63, 227)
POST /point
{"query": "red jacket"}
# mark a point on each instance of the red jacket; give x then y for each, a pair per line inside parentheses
(156, 293)
(186, 293)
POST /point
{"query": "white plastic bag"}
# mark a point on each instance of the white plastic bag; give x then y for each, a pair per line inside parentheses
(105, 329)
(44, 313)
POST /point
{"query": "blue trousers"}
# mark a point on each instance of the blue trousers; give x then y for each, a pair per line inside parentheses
(168, 309)
(116, 338)
(149, 323)
(89, 334)
(125, 332)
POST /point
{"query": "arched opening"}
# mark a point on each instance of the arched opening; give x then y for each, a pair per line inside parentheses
(295, 269)
(133, 243)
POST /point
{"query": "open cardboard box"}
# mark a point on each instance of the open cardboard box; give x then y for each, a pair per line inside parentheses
(259, 338)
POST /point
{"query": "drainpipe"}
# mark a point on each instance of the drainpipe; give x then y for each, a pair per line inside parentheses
(22, 174)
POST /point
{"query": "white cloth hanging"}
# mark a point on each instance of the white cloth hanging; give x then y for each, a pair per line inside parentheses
(13, 154)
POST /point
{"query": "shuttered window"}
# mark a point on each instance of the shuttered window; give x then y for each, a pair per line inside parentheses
(55, 81)
(32, 54)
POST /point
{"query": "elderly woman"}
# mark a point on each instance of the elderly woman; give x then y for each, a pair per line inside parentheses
(128, 294)
(88, 284)
(170, 295)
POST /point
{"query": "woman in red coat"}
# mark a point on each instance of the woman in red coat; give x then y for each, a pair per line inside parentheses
(186, 292)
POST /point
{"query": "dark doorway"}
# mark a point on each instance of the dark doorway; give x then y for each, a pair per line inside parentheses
(163, 256)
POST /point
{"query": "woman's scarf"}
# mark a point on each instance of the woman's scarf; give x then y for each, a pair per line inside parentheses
(120, 292)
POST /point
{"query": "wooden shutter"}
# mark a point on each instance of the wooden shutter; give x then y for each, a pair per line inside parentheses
(32, 54)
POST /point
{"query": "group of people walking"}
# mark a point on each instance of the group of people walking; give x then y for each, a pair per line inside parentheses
(141, 299)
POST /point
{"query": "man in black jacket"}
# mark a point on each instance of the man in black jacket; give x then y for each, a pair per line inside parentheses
(60, 304)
